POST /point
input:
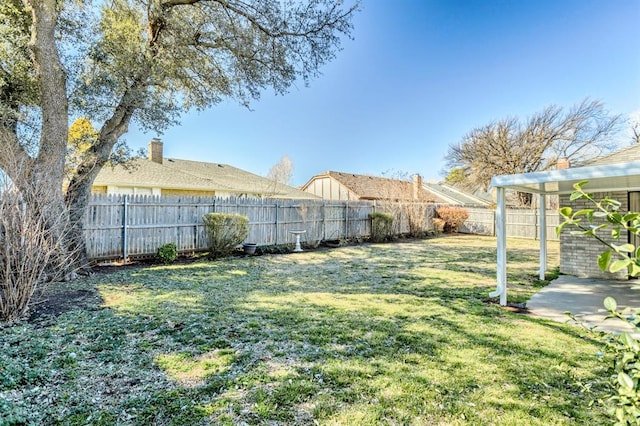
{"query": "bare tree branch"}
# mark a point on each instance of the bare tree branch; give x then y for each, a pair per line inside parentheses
(511, 145)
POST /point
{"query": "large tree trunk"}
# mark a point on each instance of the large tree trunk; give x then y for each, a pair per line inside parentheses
(79, 189)
(39, 179)
(77, 197)
(47, 170)
(49, 163)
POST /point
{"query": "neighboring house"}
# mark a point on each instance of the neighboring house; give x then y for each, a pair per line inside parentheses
(157, 175)
(616, 175)
(451, 195)
(342, 186)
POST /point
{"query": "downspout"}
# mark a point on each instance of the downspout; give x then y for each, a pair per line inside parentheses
(501, 266)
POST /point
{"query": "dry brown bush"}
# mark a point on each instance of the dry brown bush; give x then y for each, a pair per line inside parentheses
(32, 249)
(453, 217)
(35, 236)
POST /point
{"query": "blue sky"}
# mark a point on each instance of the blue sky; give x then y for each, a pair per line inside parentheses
(417, 77)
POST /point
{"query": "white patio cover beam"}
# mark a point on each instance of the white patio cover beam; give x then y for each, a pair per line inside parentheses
(543, 235)
(501, 232)
(602, 178)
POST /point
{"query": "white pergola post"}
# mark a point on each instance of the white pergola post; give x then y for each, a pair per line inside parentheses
(501, 233)
(543, 234)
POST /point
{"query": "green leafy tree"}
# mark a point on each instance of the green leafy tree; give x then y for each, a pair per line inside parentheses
(82, 135)
(456, 177)
(143, 61)
(622, 350)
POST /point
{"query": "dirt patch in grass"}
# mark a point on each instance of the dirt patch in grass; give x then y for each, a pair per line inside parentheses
(54, 303)
(518, 308)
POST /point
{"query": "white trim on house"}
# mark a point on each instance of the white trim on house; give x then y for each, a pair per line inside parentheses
(604, 178)
(133, 190)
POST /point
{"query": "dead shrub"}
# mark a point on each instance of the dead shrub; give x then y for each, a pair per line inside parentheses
(438, 225)
(32, 250)
(417, 215)
(452, 216)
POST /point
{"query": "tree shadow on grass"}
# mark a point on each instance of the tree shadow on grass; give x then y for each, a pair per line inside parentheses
(372, 339)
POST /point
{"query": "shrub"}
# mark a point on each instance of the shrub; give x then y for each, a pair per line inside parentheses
(381, 226)
(438, 225)
(416, 214)
(167, 253)
(453, 217)
(225, 232)
(32, 248)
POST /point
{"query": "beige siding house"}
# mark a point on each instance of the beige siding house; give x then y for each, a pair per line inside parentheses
(348, 186)
(157, 175)
(351, 187)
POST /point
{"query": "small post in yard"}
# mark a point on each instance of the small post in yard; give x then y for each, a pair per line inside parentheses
(124, 230)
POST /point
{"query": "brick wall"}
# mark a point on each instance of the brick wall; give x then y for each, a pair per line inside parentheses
(578, 253)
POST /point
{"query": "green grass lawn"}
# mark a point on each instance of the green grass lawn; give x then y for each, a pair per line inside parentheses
(397, 334)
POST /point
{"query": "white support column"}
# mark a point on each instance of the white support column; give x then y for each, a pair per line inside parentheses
(501, 265)
(543, 235)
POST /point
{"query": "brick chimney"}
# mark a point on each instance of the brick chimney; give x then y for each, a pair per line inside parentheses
(417, 186)
(563, 163)
(155, 150)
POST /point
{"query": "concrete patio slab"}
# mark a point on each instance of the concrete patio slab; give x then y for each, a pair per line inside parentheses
(584, 297)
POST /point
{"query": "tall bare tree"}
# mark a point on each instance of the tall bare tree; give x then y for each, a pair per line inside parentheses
(146, 61)
(634, 122)
(513, 145)
(282, 171)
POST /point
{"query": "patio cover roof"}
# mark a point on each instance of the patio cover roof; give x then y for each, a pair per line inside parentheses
(603, 178)
(609, 177)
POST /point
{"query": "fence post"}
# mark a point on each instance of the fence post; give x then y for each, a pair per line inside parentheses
(124, 229)
(324, 220)
(276, 225)
(346, 219)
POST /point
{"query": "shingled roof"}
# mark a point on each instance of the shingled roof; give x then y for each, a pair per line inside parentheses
(452, 195)
(173, 173)
(378, 188)
(624, 155)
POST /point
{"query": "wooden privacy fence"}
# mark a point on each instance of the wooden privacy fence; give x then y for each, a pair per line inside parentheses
(122, 226)
(520, 223)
